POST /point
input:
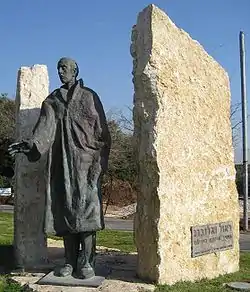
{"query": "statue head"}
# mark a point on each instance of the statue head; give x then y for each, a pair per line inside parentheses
(67, 70)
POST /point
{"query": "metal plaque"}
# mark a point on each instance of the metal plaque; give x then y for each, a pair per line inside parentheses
(211, 238)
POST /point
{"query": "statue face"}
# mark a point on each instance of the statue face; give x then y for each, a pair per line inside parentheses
(66, 71)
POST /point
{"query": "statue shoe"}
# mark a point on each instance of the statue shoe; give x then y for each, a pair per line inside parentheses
(64, 271)
(86, 272)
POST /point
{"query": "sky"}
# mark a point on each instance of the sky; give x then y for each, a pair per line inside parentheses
(97, 35)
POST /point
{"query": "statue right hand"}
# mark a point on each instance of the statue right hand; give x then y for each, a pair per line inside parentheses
(20, 147)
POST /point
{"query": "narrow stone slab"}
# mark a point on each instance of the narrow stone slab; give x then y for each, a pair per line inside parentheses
(240, 286)
(51, 279)
(184, 156)
(29, 238)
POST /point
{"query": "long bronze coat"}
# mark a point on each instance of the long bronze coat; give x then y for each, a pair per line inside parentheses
(72, 128)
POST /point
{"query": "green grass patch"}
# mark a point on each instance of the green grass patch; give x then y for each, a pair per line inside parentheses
(122, 240)
(6, 229)
(215, 285)
(6, 285)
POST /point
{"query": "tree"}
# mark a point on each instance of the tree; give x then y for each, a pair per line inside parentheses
(7, 117)
(120, 181)
(121, 160)
(7, 128)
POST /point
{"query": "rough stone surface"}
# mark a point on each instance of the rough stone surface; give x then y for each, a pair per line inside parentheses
(29, 239)
(185, 154)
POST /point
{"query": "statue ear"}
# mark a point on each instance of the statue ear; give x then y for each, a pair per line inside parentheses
(75, 72)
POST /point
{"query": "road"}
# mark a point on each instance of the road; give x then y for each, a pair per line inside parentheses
(245, 241)
(110, 222)
(118, 224)
(6, 208)
(127, 225)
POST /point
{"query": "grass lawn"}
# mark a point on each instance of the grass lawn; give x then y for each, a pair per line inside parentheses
(8, 286)
(6, 229)
(124, 241)
(215, 285)
(108, 238)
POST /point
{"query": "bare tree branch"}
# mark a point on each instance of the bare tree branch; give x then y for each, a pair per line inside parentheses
(234, 109)
(235, 123)
(124, 121)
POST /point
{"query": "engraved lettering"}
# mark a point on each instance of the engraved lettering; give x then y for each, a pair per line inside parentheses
(211, 238)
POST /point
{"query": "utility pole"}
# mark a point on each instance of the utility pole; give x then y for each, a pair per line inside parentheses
(244, 128)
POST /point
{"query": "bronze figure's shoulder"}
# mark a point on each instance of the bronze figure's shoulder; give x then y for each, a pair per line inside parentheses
(52, 96)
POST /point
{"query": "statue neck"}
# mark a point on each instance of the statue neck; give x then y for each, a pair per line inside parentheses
(70, 84)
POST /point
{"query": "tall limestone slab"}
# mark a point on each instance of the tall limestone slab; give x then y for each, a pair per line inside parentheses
(187, 222)
(29, 239)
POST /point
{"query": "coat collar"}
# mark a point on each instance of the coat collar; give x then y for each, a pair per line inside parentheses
(68, 95)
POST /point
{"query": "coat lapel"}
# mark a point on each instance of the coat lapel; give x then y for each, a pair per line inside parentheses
(76, 90)
(63, 94)
(68, 95)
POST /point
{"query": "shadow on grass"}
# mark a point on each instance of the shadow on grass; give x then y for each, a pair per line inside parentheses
(110, 264)
(113, 265)
(7, 259)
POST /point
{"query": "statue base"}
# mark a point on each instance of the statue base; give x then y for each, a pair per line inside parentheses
(51, 279)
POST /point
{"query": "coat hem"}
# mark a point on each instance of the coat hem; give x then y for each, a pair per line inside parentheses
(84, 228)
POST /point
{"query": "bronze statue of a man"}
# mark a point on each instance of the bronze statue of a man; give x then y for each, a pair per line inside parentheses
(72, 129)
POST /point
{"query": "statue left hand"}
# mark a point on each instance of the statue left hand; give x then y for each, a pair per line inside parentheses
(20, 147)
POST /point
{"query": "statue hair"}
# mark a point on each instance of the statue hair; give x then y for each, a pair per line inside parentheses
(73, 63)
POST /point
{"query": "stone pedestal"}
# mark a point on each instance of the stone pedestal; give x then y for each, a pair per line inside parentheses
(29, 239)
(187, 221)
